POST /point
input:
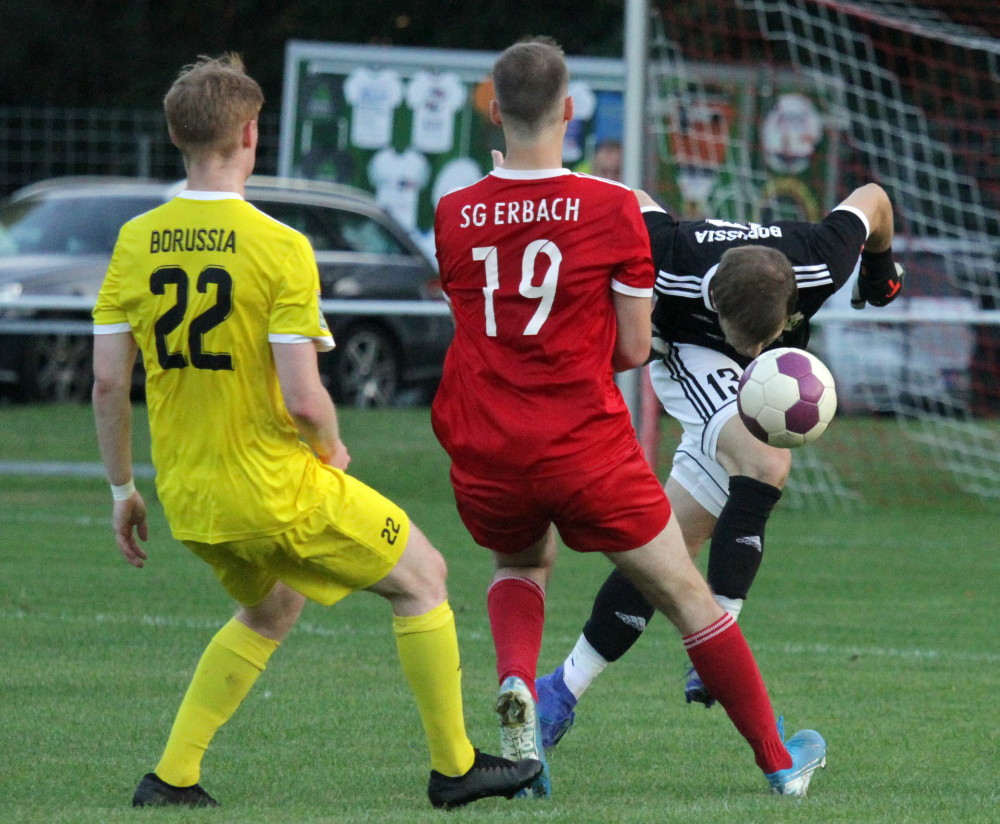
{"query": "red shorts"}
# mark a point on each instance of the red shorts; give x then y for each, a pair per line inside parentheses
(615, 509)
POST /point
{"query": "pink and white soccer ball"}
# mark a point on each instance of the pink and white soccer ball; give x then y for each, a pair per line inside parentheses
(787, 397)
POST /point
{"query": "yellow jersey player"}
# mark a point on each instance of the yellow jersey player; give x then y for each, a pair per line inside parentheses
(223, 302)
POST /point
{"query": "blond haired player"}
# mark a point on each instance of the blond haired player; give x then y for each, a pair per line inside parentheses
(223, 301)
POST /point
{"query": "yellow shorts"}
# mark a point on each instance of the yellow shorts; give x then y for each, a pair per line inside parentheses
(353, 539)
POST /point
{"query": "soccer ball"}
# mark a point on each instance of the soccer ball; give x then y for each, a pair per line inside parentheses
(786, 397)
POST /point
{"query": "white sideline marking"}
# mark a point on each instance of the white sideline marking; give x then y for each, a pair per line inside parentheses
(307, 628)
(74, 469)
(831, 651)
(878, 652)
(43, 518)
(199, 624)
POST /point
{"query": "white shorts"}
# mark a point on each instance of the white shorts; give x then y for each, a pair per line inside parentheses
(697, 387)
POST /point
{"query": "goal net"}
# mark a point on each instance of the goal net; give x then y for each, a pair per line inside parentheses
(777, 109)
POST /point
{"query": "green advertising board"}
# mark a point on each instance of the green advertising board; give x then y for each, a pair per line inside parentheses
(410, 124)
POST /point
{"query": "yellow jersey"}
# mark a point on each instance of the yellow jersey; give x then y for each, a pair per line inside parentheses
(205, 283)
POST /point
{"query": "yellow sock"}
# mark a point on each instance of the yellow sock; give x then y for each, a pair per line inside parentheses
(428, 651)
(228, 668)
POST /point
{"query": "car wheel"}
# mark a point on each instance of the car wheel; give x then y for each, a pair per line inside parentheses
(56, 368)
(366, 367)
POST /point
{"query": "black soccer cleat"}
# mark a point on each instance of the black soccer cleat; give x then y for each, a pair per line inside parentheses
(488, 776)
(154, 792)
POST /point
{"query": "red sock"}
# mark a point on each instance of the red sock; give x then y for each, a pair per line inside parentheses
(517, 615)
(727, 667)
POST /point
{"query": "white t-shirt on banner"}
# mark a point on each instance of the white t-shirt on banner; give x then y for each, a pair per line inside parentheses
(374, 96)
(398, 178)
(462, 171)
(584, 104)
(434, 98)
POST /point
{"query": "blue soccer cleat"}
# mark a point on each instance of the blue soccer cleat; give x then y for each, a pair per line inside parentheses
(555, 707)
(521, 734)
(695, 690)
(808, 751)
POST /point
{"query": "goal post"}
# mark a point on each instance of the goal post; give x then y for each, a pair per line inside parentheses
(777, 109)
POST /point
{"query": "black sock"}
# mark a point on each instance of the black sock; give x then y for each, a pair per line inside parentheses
(619, 616)
(738, 541)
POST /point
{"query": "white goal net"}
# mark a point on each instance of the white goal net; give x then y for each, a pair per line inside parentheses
(777, 109)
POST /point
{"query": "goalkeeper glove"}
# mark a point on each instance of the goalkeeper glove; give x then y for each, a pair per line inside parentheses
(879, 281)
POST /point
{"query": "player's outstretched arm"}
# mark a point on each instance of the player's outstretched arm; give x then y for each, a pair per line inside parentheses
(872, 200)
(880, 279)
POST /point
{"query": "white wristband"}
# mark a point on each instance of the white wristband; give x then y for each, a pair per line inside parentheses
(124, 491)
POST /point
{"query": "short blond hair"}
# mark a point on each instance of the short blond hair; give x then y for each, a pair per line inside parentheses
(209, 103)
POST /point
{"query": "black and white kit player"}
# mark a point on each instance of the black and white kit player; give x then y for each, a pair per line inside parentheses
(706, 329)
(687, 254)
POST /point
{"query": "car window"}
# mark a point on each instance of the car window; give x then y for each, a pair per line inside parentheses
(68, 225)
(322, 232)
(367, 235)
(335, 230)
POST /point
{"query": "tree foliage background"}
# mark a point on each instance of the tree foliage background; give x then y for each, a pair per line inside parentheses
(126, 52)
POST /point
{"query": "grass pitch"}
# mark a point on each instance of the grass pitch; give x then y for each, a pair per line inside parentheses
(877, 628)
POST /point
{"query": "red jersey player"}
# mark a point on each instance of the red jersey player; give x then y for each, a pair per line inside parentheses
(530, 261)
(550, 282)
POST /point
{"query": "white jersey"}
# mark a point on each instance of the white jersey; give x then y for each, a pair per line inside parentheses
(584, 104)
(462, 171)
(374, 97)
(584, 100)
(398, 178)
(435, 99)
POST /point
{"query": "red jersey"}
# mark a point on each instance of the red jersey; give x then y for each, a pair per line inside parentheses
(529, 260)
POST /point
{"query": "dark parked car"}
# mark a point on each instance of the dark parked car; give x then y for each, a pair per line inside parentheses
(56, 238)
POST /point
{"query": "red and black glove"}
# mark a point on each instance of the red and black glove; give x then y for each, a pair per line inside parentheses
(879, 282)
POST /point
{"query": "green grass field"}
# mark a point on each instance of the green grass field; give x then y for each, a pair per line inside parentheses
(877, 628)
